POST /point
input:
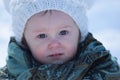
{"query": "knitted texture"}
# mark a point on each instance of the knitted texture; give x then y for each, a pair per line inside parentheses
(22, 10)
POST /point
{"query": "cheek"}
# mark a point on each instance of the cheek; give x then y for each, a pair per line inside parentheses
(38, 52)
(39, 55)
(72, 48)
(72, 42)
(72, 45)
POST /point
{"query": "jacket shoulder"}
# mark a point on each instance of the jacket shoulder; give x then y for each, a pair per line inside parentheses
(3, 73)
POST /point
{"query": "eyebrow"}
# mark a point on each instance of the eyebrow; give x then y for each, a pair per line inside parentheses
(66, 26)
(40, 30)
(44, 29)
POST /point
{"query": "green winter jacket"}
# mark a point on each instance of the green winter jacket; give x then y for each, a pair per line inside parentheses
(92, 62)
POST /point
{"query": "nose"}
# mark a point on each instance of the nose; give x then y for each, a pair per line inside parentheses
(54, 44)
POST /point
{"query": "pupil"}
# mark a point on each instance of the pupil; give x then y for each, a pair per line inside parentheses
(42, 35)
(63, 32)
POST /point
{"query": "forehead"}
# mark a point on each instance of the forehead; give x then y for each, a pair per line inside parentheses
(51, 13)
(50, 18)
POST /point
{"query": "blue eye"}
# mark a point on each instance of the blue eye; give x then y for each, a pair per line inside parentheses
(42, 35)
(64, 32)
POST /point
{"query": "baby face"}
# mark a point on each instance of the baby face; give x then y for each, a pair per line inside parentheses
(52, 37)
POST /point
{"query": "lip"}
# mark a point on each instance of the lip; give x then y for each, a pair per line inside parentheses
(56, 55)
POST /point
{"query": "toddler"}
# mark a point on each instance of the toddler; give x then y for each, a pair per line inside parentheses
(51, 42)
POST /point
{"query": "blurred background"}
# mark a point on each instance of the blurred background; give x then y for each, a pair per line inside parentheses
(104, 23)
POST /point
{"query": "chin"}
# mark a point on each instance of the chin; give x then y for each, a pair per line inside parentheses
(57, 62)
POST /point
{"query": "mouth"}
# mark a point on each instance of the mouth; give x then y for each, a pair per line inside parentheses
(56, 55)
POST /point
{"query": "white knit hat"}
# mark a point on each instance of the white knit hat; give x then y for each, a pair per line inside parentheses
(22, 10)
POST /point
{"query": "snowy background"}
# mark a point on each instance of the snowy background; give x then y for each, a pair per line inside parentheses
(104, 23)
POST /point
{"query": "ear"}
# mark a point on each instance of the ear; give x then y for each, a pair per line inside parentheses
(7, 4)
(10, 5)
(86, 3)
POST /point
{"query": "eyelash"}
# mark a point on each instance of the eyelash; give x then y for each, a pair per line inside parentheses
(62, 33)
(42, 36)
